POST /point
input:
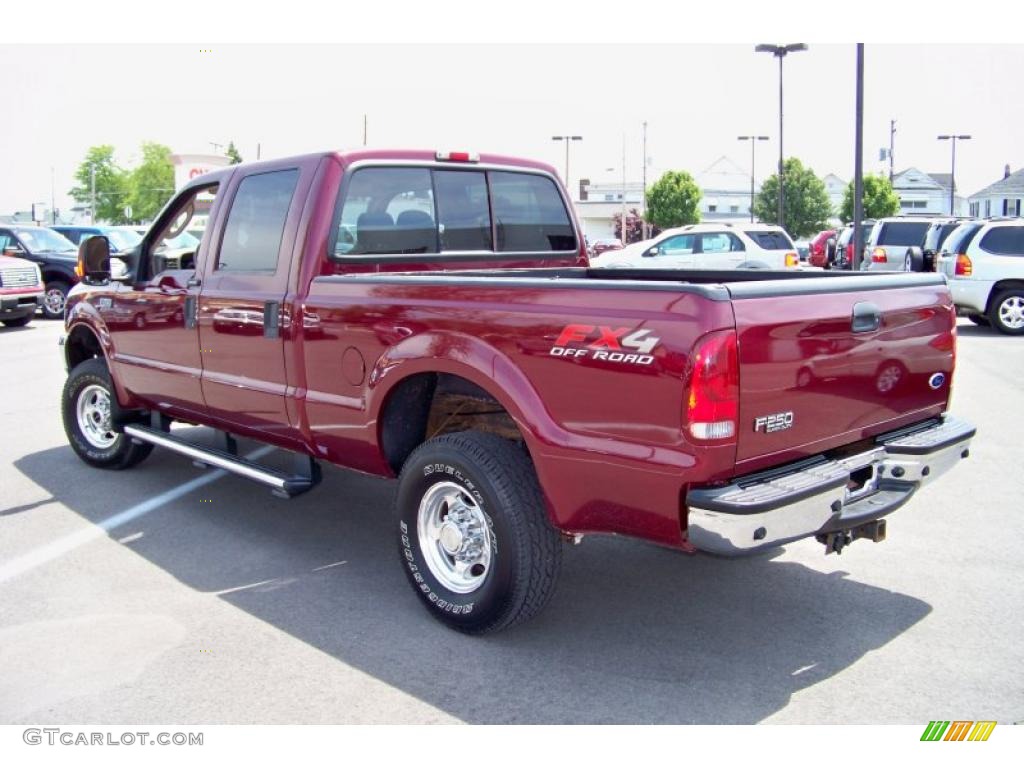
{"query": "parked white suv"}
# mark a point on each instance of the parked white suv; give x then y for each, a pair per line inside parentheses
(889, 248)
(708, 246)
(984, 262)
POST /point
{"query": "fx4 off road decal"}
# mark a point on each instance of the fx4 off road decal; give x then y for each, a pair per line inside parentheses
(602, 342)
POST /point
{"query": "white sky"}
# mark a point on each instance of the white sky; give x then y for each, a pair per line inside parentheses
(510, 98)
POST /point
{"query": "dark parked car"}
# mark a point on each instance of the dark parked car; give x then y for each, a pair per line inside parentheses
(56, 256)
(938, 232)
(603, 244)
(121, 240)
(844, 245)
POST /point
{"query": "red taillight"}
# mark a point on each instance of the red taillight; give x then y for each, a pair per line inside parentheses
(964, 268)
(712, 408)
(878, 255)
(459, 157)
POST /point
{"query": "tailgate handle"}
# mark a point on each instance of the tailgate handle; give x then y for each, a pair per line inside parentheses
(866, 317)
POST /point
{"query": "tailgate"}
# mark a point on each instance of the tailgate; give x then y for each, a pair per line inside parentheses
(824, 363)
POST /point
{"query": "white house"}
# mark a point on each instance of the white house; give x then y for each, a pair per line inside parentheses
(1001, 198)
(836, 188)
(925, 194)
(725, 191)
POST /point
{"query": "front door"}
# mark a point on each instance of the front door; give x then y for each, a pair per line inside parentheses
(242, 318)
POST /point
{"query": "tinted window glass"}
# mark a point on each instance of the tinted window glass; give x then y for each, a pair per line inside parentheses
(530, 214)
(962, 237)
(903, 233)
(771, 241)
(388, 210)
(720, 242)
(676, 246)
(463, 215)
(1007, 241)
(255, 225)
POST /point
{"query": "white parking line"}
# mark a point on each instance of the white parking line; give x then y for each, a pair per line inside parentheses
(53, 550)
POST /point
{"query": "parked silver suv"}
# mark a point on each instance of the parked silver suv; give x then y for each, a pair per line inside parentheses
(890, 247)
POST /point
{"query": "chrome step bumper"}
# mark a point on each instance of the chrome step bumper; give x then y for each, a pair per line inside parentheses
(820, 495)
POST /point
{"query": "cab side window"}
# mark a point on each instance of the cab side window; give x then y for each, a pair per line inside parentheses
(255, 224)
(676, 246)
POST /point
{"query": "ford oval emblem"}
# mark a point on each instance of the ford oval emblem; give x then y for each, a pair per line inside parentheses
(937, 380)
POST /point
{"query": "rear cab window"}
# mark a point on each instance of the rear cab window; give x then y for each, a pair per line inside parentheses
(395, 211)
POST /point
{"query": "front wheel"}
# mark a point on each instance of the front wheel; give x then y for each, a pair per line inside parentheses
(88, 405)
(1007, 314)
(474, 537)
(54, 298)
(18, 322)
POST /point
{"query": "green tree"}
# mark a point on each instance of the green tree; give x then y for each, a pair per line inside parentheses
(673, 200)
(151, 184)
(879, 199)
(234, 156)
(111, 183)
(807, 207)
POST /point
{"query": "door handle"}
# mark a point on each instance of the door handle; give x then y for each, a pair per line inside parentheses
(867, 317)
(193, 282)
(272, 319)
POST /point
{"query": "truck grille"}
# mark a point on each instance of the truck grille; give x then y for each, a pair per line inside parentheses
(18, 277)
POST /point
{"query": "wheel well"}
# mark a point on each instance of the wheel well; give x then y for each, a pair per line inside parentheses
(56, 277)
(1002, 285)
(429, 404)
(81, 345)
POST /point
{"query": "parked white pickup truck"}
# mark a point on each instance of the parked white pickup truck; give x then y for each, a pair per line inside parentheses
(984, 262)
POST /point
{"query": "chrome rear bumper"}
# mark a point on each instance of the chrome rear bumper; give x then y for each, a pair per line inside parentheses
(820, 495)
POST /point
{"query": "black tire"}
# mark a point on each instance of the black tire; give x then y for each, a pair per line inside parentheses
(980, 320)
(1014, 296)
(18, 322)
(122, 453)
(50, 299)
(913, 262)
(497, 476)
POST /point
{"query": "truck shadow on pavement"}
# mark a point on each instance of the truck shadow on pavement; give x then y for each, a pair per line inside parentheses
(635, 634)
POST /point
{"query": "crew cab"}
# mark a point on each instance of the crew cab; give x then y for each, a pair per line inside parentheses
(21, 291)
(55, 255)
(432, 317)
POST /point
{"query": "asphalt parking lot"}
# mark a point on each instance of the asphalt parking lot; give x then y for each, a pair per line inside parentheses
(142, 597)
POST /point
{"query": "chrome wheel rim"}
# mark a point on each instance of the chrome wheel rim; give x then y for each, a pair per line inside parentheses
(53, 301)
(93, 410)
(908, 264)
(454, 537)
(1011, 312)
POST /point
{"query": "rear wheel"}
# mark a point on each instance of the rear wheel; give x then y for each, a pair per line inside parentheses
(474, 537)
(89, 407)
(1007, 313)
(979, 320)
(54, 298)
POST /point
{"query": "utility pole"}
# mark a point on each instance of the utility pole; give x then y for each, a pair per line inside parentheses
(257, 150)
(567, 139)
(53, 200)
(780, 52)
(753, 159)
(623, 227)
(952, 170)
(892, 146)
(858, 163)
(92, 202)
(643, 201)
(365, 126)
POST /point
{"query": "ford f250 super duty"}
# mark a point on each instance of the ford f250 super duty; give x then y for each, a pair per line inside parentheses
(432, 317)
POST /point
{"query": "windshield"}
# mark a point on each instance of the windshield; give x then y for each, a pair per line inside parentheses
(41, 240)
(184, 240)
(122, 239)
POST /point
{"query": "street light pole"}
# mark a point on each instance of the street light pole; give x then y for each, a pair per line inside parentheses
(858, 163)
(780, 52)
(753, 144)
(952, 170)
(92, 201)
(643, 195)
(567, 139)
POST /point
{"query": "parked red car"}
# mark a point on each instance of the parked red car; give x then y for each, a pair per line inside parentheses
(818, 254)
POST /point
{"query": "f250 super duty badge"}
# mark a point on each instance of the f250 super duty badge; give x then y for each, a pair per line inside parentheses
(602, 342)
(775, 422)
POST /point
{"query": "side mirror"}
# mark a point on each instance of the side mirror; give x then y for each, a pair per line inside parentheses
(94, 260)
(651, 251)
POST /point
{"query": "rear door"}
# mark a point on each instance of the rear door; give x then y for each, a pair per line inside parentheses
(719, 250)
(841, 359)
(242, 319)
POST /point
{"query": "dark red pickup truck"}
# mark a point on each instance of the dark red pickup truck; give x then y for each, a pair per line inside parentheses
(431, 316)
